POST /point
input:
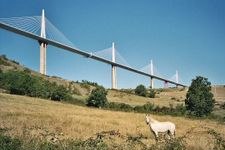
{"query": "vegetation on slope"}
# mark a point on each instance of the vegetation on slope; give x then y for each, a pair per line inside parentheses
(78, 89)
(50, 125)
(141, 90)
(22, 83)
(20, 80)
(98, 98)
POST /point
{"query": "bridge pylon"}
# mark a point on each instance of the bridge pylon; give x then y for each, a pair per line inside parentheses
(114, 79)
(166, 84)
(152, 73)
(43, 45)
(177, 78)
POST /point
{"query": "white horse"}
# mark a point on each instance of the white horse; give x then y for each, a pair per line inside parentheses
(157, 127)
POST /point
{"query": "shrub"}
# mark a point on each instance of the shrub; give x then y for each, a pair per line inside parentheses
(199, 99)
(16, 82)
(8, 143)
(120, 106)
(15, 62)
(59, 93)
(149, 107)
(26, 70)
(48, 146)
(175, 144)
(89, 83)
(219, 141)
(152, 94)
(141, 90)
(180, 109)
(97, 97)
(89, 144)
(163, 110)
(4, 57)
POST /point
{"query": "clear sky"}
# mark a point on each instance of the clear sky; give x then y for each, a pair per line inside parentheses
(183, 35)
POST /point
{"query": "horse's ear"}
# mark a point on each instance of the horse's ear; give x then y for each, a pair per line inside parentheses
(146, 115)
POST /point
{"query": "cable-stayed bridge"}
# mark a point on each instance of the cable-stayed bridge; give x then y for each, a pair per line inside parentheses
(42, 30)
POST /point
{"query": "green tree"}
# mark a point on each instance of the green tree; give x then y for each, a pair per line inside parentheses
(98, 97)
(59, 93)
(141, 90)
(199, 99)
(152, 93)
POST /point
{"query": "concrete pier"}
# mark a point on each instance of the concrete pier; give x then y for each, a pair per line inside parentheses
(152, 73)
(43, 47)
(114, 80)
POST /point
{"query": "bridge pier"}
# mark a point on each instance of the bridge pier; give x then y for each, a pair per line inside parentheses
(152, 83)
(43, 45)
(152, 73)
(177, 79)
(166, 84)
(114, 80)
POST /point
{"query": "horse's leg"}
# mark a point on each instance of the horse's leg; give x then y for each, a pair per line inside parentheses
(172, 133)
(156, 136)
(169, 134)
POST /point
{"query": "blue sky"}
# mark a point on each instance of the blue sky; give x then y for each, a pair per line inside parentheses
(183, 35)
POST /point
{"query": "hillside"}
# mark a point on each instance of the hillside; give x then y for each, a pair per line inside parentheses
(59, 124)
(219, 92)
(78, 88)
(33, 119)
(163, 98)
(81, 90)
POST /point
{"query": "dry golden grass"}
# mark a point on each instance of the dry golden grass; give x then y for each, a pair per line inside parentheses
(33, 117)
(219, 93)
(165, 98)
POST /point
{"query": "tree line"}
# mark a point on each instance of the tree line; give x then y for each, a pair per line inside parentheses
(23, 83)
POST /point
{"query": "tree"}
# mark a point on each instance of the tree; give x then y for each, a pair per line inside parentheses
(199, 99)
(97, 97)
(152, 93)
(141, 90)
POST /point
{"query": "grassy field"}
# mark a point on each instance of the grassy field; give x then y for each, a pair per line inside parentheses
(33, 118)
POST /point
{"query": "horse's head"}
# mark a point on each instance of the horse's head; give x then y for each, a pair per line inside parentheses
(147, 119)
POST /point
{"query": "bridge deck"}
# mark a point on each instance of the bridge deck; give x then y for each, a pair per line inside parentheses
(81, 52)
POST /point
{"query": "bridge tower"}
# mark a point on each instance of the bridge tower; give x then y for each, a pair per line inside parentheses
(43, 45)
(114, 80)
(166, 84)
(177, 78)
(152, 73)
